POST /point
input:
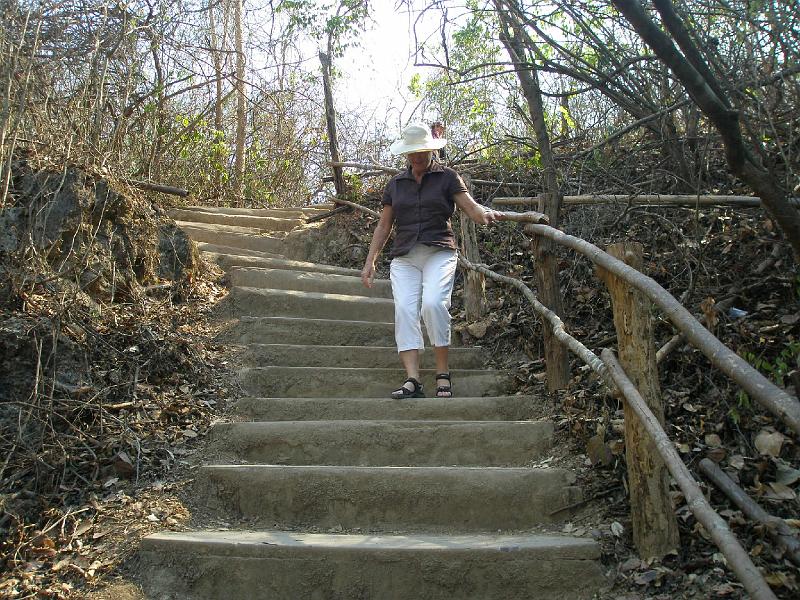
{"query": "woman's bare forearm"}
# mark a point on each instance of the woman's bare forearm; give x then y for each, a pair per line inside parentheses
(476, 212)
(379, 238)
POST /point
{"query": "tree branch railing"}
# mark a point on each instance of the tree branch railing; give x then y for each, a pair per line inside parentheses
(761, 389)
(612, 374)
(609, 369)
(737, 557)
(690, 200)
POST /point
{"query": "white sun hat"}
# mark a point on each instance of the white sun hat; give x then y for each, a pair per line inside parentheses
(416, 138)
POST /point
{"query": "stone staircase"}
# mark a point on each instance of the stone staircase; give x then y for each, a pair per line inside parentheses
(330, 490)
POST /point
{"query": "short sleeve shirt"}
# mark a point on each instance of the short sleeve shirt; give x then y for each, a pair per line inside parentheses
(422, 211)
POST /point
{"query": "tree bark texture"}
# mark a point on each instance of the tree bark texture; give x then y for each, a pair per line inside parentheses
(655, 529)
(216, 58)
(154, 162)
(241, 100)
(330, 118)
(703, 88)
(556, 358)
(474, 281)
(546, 272)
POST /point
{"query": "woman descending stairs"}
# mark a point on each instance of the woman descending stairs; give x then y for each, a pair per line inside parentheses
(332, 490)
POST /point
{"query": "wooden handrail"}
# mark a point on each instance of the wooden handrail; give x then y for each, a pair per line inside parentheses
(614, 376)
(589, 357)
(717, 528)
(609, 369)
(766, 393)
(642, 199)
(530, 216)
(761, 389)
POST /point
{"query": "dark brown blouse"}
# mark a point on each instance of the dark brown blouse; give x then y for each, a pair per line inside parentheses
(422, 211)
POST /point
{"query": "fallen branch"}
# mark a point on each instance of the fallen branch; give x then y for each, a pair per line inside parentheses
(374, 165)
(738, 560)
(157, 187)
(775, 526)
(330, 213)
(355, 205)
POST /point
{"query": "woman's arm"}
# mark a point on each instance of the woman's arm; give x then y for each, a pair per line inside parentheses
(480, 214)
(379, 237)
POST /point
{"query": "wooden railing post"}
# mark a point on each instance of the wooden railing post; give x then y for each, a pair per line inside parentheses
(655, 529)
(549, 291)
(474, 282)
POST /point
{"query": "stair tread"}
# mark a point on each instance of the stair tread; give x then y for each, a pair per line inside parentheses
(314, 321)
(449, 470)
(315, 295)
(218, 250)
(333, 423)
(429, 497)
(216, 228)
(554, 547)
(223, 210)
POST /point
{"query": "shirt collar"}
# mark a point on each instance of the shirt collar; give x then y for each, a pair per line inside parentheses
(434, 168)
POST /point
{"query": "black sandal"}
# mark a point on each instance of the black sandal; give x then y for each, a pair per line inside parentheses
(403, 392)
(444, 389)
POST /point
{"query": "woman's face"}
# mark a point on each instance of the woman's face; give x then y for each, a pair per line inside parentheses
(420, 160)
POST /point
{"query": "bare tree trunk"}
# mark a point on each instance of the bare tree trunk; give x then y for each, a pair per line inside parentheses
(241, 101)
(215, 49)
(154, 162)
(330, 118)
(546, 262)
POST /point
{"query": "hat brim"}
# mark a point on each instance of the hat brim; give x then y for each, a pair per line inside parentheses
(399, 147)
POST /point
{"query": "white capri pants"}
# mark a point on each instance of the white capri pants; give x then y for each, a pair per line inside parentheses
(422, 284)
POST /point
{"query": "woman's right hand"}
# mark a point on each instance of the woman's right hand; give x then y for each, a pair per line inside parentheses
(368, 274)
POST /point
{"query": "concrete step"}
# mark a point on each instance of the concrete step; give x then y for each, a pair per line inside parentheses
(230, 258)
(287, 565)
(491, 408)
(270, 223)
(289, 303)
(431, 499)
(307, 281)
(385, 357)
(213, 252)
(246, 238)
(384, 443)
(289, 213)
(299, 330)
(343, 382)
